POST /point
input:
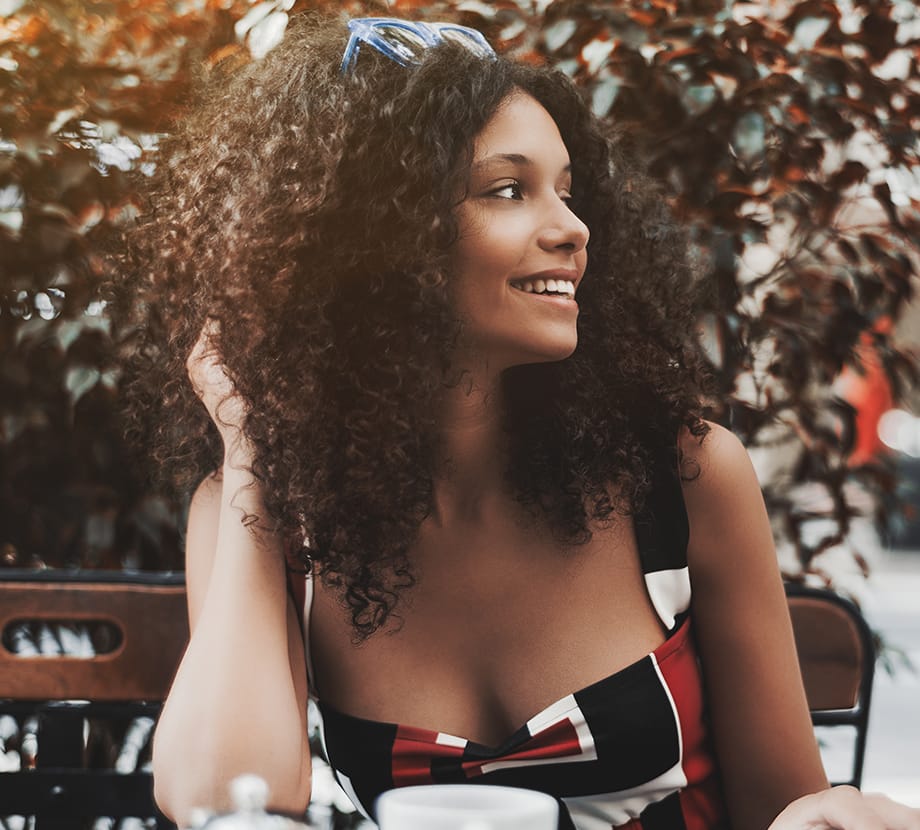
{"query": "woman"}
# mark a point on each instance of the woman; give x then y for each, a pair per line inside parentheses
(482, 446)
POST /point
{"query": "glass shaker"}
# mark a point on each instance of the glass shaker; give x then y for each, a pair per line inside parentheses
(249, 794)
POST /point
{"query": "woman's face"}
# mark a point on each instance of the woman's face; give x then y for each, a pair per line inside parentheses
(521, 252)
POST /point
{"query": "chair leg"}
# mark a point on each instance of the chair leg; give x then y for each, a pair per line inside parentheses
(859, 751)
(60, 744)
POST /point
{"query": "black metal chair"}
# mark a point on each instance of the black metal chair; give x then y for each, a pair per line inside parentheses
(134, 628)
(837, 652)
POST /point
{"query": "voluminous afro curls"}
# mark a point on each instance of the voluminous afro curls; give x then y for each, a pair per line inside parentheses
(312, 216)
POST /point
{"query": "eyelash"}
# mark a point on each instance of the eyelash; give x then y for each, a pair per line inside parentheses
(518, 192)
(515, 186)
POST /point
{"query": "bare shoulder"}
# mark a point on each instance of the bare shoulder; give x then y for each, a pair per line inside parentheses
(715, 460)
(723, 498)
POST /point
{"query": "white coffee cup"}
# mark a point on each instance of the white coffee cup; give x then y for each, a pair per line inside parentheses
(466, 807)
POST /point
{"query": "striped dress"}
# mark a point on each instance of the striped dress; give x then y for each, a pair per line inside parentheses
(629, 751)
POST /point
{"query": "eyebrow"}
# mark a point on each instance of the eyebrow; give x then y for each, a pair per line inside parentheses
(513, 158)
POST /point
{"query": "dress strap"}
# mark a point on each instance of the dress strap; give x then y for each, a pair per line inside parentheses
(300, 588)
(662, 533)
(305, 627)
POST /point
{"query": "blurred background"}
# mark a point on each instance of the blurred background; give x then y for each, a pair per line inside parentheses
(786, 134)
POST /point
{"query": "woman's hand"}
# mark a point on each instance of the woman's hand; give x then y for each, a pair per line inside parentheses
(846, 808)
(212, 384)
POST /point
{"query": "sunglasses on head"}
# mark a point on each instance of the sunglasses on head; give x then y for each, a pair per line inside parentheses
(406, 42)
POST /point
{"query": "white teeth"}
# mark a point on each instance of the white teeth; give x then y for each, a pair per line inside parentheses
(550, 286)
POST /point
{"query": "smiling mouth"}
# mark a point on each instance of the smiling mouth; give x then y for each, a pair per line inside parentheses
(550, 287)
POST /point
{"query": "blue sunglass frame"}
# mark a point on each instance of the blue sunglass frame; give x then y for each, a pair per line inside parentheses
(372, 31)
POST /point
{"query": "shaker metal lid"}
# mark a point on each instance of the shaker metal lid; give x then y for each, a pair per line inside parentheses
(249, 794)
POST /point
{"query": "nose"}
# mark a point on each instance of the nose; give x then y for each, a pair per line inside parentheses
(563, 230)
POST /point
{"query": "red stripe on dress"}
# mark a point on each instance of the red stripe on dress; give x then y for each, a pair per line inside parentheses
(559, 740)
(701, 800)
(703, 806)
(413, 751)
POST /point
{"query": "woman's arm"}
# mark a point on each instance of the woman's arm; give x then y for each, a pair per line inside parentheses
(238, 703)
(760, 720)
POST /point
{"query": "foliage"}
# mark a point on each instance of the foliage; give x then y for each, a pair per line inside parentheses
(86, 88)
(786, 135)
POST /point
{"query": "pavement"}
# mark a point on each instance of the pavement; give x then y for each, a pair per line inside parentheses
(891, 603)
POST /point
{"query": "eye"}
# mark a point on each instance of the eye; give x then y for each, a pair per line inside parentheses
(511, 190)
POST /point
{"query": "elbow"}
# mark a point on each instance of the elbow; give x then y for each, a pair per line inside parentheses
(167, 777)
(165, 804)
(181, 787)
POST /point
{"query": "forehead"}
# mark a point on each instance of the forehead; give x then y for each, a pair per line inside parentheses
(521, 126)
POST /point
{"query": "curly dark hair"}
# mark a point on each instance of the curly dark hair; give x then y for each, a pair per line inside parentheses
(313, 216)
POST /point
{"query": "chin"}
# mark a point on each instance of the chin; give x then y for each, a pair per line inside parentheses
(549, 353)
(562, 347)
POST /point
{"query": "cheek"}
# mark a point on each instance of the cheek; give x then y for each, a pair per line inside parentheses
(490, 248)
(501, 249)
(478, 259)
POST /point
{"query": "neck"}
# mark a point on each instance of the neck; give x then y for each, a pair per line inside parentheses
(473, 457)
